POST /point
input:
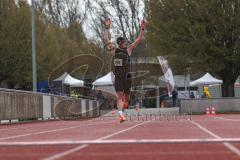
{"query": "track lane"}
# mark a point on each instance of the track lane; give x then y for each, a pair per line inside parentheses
(149, 130)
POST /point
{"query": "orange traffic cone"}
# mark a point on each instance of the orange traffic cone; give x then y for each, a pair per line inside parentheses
(207, 111)
(213, 111)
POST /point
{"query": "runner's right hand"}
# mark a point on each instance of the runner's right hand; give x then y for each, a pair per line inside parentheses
(142, 25)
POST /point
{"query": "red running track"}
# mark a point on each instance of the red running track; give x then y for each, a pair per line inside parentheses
(25, 141)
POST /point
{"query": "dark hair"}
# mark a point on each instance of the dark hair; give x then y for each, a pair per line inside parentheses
(120, 40)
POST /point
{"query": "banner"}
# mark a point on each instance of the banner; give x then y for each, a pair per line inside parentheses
(167, 74)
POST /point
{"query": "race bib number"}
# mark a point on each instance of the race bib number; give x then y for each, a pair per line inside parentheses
(118, 62)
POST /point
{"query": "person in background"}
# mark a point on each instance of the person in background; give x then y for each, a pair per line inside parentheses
(192, 95)
(174, 97)
(101, 98)
(132, 99)
(144, 101)
(206, 93)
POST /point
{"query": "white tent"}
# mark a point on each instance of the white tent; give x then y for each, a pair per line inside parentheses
(207, 79)
(105, 83)
(69, 80)
(108, 79)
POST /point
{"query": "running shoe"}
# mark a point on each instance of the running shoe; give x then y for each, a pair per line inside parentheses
(122, 118)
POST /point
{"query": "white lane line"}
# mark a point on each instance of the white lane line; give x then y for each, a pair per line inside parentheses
(49, 131)
(60, 155)
(226, 144)
(121, 141)
(228, 119)
(116, 133)
(232, 148)
(206, 130)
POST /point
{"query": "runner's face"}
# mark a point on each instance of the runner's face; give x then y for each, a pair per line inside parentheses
(123, 45)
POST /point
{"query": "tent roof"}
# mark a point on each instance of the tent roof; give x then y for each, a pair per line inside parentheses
(62, 77)
(68, 79)
(108, 79)
(207, 79)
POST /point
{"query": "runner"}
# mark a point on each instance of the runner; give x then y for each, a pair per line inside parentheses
(121, 62)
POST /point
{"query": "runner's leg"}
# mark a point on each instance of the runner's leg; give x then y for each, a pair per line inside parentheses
(126, 100)
(120, 97)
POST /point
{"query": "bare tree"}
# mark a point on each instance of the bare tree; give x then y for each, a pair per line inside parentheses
(63, 12)
(125, 15)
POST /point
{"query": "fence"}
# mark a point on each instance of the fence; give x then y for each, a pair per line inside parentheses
(221, 105)
(22, 104)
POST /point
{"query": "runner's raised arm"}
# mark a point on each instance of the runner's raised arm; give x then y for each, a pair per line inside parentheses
(139, 38)
(110, 47)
